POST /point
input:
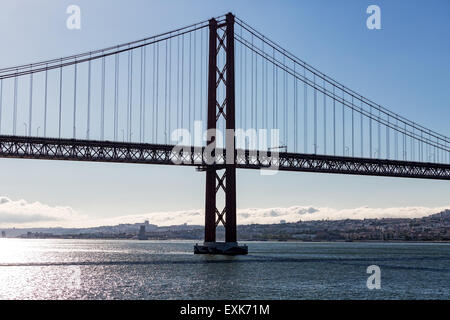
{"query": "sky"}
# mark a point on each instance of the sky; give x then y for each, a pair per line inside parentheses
(404, 66)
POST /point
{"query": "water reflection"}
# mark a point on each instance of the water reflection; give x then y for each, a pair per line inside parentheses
(97, 269)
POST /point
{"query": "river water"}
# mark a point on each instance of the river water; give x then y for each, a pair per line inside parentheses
(122, 269)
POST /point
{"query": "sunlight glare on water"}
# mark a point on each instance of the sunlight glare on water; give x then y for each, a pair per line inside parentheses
(128, 269)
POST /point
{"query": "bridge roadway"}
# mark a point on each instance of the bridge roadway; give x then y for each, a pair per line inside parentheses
(145, 153)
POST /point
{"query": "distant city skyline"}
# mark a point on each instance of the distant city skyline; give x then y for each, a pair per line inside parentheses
(404, 66)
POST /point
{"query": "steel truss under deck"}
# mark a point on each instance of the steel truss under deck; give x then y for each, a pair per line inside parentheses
(124, 152)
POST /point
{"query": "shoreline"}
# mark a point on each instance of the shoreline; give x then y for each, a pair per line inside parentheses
(240, 241)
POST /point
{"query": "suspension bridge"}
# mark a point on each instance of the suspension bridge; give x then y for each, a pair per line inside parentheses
(127, 103)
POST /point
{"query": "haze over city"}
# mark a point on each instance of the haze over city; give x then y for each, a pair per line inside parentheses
(23, 214)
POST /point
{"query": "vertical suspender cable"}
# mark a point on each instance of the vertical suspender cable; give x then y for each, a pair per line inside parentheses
(315, 115)
(404, 145)
(195, 75)
(362, 124)
(141, 111)
(353, 128)
(256, 92)
(267, 93)
(276, 98)
(334, 120)
(74, 100)
(131, 96)
(343, 123)
(241, 107)
(170, 91)
(128, 95)
(379, 134)
(396, 138)
(45, 101)
(30, 115)
(295, 109)
(15, 105)
(305, 105)
(182, 80)
(263, 90)
(102, 126)
(189, 82)
(201, 76)
(245, 90)
(116, 94)
(273, 90)
(387, 139)
(144, 105)
(421, 145)
(437, 150)
(286, 104)
(324, 118)
(251, 91)
(154, 94)
(370, 132)
(157, 93)
(165, 93)
(284, 100)
(60, 101)
(88, 125)
(178, 82)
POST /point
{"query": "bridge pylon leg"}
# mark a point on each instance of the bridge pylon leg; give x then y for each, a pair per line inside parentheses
(221, 37)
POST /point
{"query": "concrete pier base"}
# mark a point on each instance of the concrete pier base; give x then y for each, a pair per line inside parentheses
(227, 248)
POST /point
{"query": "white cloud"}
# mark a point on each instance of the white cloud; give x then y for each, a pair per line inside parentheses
(275, 215)
(296, 213)
(165, 218)
(34, 214)
(21, 213)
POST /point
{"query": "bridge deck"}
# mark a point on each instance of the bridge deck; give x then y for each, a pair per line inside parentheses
(124, 152)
